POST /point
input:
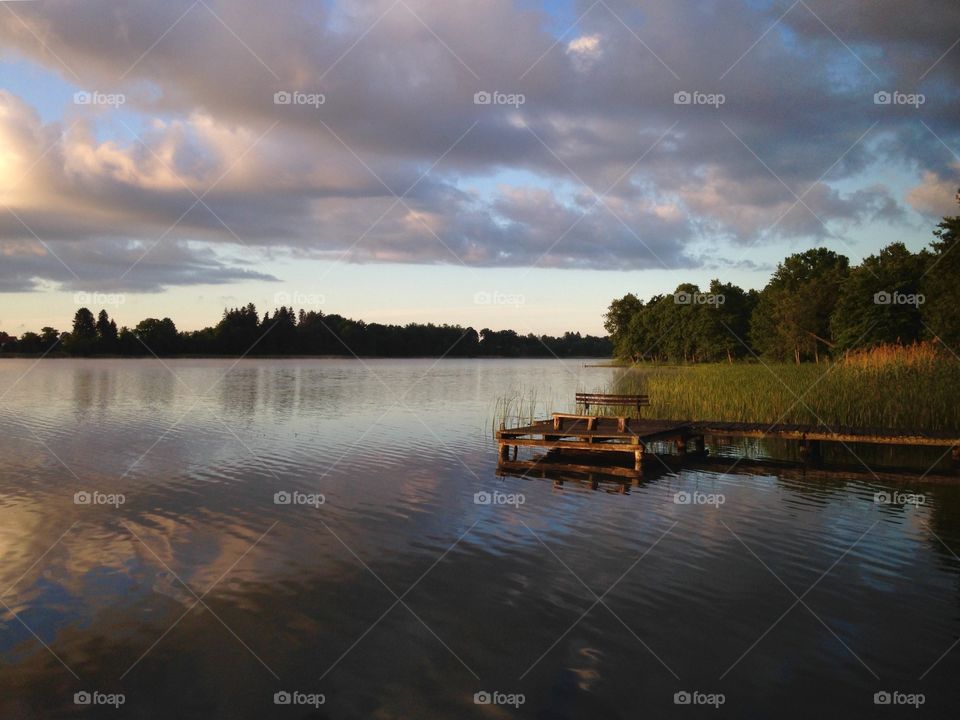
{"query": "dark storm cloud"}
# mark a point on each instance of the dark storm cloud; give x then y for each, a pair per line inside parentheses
(117, 265)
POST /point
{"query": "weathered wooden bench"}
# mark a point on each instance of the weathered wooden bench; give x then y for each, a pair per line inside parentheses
(603, 399)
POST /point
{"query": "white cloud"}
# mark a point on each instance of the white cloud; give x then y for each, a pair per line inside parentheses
(585, 51)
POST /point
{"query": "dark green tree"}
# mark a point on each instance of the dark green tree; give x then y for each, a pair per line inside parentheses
(617, 319)
(942, 309)
(279, 332)
(84, 335)
(49, 337)
(876, 303)
(30, 343)
(792, 317)
(238, 330)
(160, 336)
(725, 332)
(106, 333)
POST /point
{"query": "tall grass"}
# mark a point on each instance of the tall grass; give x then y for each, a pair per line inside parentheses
(521, 407)
(914, 387)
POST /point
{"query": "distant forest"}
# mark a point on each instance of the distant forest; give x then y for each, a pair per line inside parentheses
(814, 306)
(287, 332)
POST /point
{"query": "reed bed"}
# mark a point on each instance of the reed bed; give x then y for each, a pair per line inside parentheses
(521, 407)
(913, 387)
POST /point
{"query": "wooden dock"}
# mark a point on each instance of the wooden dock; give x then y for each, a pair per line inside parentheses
(612, 434)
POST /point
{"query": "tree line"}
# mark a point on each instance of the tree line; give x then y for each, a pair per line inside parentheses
(815, 305)
(288, 332)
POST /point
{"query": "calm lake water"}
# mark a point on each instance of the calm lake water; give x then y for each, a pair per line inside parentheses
(199, 596)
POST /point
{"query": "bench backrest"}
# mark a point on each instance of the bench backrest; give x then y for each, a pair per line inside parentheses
(588, 399)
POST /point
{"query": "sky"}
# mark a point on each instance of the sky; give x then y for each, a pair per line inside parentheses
(494, 163)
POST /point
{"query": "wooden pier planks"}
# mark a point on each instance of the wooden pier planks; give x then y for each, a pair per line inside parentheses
(608, 434)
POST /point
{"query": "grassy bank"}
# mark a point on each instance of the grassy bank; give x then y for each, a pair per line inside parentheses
(916, 387)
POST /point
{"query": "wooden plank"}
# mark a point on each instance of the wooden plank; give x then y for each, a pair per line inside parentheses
(870, 437)
(606, 428)
(607, 399)
(614, 428)
(575, 445)
(610, 396)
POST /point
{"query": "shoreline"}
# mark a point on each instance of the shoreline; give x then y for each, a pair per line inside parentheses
(41, 356)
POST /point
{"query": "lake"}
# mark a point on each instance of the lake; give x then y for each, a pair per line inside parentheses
(302, 538)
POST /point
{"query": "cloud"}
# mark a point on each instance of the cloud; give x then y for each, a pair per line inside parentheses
(936, 196)
(585, 51)
(111, 265)
(398, 120)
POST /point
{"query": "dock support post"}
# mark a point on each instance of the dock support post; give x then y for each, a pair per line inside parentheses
(504, 451)
(698, 443)
(637, 454)
(810, 450)
(681, 445)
